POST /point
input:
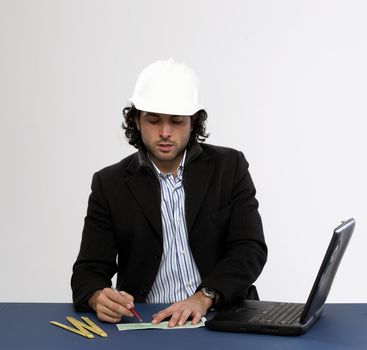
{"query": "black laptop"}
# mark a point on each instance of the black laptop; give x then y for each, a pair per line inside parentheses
(267, 317)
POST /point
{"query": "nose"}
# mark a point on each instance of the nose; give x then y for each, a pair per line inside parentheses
(165, 130)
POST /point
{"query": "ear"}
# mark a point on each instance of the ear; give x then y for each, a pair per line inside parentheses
(193, 119)
(137, 122)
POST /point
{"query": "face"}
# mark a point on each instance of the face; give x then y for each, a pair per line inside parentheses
(165, 137)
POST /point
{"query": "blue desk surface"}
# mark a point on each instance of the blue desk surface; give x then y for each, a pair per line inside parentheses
(26, 326)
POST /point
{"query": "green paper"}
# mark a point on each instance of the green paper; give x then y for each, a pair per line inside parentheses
(162, 325)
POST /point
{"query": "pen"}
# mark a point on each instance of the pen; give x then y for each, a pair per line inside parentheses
(132, 309)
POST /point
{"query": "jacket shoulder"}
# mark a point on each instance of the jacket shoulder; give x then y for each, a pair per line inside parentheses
(220, 151)
(118, 169)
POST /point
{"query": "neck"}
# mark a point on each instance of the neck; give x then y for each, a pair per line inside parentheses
(167, 166)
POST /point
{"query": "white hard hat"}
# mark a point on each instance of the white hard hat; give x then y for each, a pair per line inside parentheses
(167, 87)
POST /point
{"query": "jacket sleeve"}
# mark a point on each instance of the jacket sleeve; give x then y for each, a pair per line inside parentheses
(244, 251)
(96, 262)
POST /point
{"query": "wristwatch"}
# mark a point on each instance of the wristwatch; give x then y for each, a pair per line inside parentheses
(209, 293)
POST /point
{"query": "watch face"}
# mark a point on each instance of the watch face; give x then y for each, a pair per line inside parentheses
(209, 292)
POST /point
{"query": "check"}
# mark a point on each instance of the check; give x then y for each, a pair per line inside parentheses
(162, 325)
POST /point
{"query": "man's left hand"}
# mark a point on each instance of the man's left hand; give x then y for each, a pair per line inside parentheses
(196, 307)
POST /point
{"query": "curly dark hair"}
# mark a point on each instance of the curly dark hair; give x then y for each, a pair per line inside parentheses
(133, 136)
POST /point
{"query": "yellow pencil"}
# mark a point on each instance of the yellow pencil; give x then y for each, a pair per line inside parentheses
(100, 331)
(70, 329)
(88, 325)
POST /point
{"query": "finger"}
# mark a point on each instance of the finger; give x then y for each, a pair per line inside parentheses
(120, 297)
(183, 317)
(197, 317)
(174, 319)
(105, 315)
(111, 320)
(157, 318)
(103, 310)
(106, 318)
(128, 299)
(103, 300)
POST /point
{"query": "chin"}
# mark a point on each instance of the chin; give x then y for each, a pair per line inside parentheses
(166, 157)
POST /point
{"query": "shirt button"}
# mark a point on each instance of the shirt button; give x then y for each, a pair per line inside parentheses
(182, 252)
(155, 257)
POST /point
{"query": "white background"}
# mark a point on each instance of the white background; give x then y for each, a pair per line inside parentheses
(283, 81)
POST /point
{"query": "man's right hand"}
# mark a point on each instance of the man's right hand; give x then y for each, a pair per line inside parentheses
(111, 305)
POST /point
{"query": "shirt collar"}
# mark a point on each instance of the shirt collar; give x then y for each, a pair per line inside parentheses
(179, 168)
(189, 155)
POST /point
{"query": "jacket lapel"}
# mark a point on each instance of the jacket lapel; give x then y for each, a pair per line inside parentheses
(197, 177)
(146, 190)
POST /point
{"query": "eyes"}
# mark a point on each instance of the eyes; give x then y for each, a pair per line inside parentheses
(156, 119)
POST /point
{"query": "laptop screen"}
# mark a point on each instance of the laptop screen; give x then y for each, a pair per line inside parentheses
(327, 271)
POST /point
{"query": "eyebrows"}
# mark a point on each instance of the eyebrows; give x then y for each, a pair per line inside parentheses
(151, 114)
(157, 115)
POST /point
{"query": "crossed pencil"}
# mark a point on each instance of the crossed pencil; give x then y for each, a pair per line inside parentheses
(85, 329)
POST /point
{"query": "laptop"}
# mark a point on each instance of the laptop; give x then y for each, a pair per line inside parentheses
(267, 317)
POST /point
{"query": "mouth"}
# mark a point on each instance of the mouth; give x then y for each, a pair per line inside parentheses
(165, 147)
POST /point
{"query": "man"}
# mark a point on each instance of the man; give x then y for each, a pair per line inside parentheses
(177, 221)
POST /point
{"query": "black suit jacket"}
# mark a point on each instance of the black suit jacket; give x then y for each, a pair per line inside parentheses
(123, 227)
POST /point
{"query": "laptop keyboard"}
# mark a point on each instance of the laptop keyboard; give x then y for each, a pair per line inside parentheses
(282, 313)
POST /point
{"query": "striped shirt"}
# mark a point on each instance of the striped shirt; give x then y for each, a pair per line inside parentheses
(178, 275)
